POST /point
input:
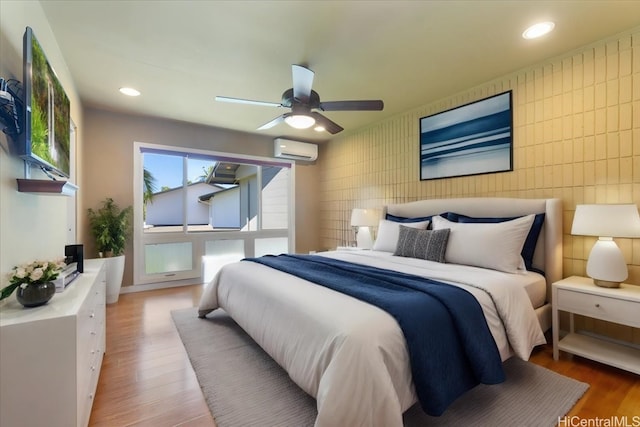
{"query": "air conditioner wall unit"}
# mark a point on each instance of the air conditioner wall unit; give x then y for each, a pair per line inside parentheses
(289, 149)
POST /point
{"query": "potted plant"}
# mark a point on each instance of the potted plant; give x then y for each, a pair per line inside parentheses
(111, 229)
(34, 282)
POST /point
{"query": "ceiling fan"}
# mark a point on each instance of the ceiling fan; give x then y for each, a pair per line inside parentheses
(302, 100)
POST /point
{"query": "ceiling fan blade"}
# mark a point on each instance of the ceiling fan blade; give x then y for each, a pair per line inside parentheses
(329, 125)
(370, 105)
(273, 122)
(302, 82)
(247, 101)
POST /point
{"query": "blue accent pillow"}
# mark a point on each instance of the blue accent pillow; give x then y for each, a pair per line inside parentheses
(402, 219)
(530, 242)
(394, 218)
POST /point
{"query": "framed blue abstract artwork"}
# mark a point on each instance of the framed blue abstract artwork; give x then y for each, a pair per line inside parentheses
(472, 139)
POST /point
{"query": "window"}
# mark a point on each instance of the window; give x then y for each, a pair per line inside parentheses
(195, 211)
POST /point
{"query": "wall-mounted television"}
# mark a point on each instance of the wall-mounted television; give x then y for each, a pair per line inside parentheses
(45, 139)
(471, 139)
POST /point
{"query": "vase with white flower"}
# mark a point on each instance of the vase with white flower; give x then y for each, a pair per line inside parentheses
(33, 282)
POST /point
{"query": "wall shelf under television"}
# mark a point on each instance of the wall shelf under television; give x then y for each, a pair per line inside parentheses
(46, 187)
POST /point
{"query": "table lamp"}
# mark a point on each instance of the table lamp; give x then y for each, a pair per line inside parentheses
(606, 265)
(361, 220)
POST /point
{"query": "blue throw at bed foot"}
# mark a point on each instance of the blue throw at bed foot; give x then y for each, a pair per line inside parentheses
(450, 345)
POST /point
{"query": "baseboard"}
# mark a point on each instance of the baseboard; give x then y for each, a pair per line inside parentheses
(160, 285)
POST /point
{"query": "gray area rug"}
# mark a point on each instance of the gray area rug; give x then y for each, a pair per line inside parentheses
(244, 387)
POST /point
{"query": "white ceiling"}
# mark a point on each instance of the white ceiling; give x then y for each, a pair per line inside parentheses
(181, 54)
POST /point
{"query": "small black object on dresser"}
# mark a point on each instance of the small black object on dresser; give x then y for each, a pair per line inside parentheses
(75, 253)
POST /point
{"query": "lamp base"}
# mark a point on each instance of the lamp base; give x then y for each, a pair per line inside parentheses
(363, 238)
(606, 265)
(606, 283)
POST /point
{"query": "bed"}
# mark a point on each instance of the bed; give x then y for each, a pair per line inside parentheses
(352, 356)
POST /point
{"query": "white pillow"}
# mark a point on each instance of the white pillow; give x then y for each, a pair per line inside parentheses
(389, 231)
(489, 245)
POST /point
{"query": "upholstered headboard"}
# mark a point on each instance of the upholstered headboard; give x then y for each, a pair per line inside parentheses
(548, 253)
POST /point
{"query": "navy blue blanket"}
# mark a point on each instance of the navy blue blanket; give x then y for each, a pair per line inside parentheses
(450, 346)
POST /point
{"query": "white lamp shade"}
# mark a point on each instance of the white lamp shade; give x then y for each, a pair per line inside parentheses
(606, 263)
(606, 221)
(364, 217)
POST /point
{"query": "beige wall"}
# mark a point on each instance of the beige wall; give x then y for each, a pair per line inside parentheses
(108, 160)
(576, 137)
(31, 226)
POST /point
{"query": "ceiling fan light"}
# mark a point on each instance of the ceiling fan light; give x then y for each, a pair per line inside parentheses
(300, 121)
(319, 128)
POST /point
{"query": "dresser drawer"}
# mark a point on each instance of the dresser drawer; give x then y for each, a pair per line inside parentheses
(87, 386)
(91, 340)
(600, 307)
(90, 326)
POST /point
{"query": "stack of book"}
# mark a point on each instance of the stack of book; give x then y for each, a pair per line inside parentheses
(67, 276)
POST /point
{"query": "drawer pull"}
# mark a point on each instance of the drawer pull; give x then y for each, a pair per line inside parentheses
(92, 315)
(90, 395)
(93, 368)
(93, 332)
(597, 305)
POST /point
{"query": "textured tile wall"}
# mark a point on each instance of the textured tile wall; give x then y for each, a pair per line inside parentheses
(576, 137)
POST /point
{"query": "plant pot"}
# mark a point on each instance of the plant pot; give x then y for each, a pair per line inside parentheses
(115, 272)
(35, 294)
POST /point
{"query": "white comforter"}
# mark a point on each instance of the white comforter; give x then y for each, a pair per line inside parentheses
(349, 355)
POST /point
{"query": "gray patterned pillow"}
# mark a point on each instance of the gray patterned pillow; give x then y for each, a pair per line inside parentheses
(424, 244)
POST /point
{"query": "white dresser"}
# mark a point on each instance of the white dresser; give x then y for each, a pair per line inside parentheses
(50, 356)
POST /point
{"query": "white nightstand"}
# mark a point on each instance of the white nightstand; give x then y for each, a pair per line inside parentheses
(619, 305)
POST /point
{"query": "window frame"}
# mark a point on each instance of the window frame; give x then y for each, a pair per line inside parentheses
(199, 238)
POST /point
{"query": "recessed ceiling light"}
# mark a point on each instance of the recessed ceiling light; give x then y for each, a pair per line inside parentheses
(538, 30)
(129, 91)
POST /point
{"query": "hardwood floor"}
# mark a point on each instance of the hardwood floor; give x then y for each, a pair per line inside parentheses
(146, 377)
(612, 392)
(147, 380)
